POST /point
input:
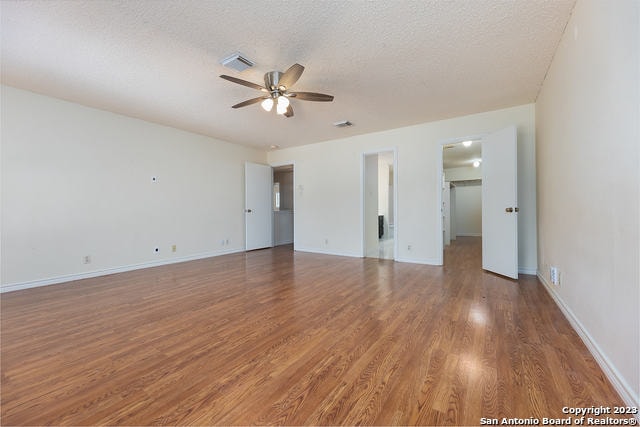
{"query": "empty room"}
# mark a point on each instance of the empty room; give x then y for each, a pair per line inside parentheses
(252, 212)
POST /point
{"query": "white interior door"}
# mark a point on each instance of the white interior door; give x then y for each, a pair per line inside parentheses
(258, 213)
(500, 203)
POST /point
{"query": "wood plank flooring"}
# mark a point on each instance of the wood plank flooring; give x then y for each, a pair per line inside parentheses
(279, 337)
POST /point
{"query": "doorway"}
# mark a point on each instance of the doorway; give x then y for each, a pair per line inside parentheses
(283, 205)
(461, 193)
(491, 178)
(379, 204)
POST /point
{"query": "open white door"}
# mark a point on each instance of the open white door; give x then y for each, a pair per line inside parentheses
(258, 212)
(500, 203)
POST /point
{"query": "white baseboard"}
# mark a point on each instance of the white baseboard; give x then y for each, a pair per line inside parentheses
(530, 271)
(619, 383)
(96, 273)
(433, 261)
(327, 252)
(283, 242)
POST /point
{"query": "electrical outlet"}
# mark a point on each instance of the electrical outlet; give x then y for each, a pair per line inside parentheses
(408, 247)
(226, 242)
(86, 259)
(173, 248)
(554, 274)
(326, 241)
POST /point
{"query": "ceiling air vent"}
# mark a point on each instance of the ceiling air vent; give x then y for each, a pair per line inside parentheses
(343, 124)
(237, 62)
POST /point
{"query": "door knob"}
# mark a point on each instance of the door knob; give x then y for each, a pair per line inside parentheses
(248, 210)
(509, 210)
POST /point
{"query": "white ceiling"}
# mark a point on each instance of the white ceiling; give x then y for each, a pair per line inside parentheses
(457, 155)
(388, 63)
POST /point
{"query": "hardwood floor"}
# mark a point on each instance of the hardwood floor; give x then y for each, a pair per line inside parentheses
(277, 337)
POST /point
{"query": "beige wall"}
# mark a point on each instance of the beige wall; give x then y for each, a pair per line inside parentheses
(588, 183)
(76, 181)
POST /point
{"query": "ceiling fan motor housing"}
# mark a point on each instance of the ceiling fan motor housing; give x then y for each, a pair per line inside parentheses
(271, 82)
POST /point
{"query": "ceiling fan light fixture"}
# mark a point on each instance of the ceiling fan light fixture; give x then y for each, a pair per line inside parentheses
(283, 103)
(267, 104)
(276, 86)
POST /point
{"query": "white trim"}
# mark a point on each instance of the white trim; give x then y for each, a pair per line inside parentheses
(529, 271)
(622, 387)
(285, 163)
(326, 252)
(96, 273)
(432, 261)
(439, 223)
(363, 248)
(428, 261)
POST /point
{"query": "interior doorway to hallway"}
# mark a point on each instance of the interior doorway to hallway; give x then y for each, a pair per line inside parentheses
(461, 192)
(379, 205)
(498, 195)
(283, 205)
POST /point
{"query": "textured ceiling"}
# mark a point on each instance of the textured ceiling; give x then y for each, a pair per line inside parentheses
(457, 155)
(388, 63)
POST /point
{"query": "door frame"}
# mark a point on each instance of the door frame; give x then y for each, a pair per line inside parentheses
(364, 154)
(440, 172)
(275, 165)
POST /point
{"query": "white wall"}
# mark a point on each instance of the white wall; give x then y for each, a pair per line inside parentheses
(76, 181)
(463, 173)
(419, 164)
(283, 227)
(370, 205)
(588, 183)
(468, 216)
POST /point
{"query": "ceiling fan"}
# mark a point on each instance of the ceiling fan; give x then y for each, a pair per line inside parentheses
(276, 88)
